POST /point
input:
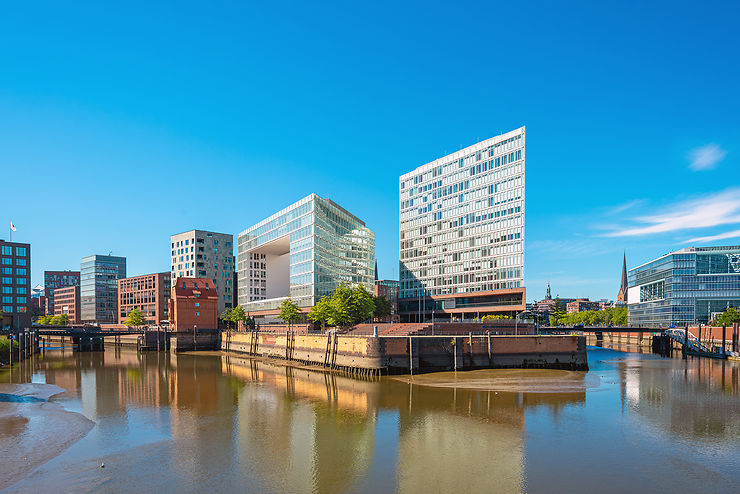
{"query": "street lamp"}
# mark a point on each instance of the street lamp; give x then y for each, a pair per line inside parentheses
(516, 321)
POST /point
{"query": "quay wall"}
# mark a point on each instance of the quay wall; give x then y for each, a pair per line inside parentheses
(401, 354)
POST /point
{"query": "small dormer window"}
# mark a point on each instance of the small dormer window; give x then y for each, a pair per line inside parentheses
(195, 285)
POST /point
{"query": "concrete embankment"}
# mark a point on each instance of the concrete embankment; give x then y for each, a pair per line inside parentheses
(403, 354)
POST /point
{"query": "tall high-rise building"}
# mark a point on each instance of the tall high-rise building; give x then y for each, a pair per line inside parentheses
(99, 277)
(304, 252)
(462, 233)
(58, 279)
(15, 284)
(202, 254)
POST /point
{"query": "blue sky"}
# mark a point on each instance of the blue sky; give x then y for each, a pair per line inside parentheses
(123, 124)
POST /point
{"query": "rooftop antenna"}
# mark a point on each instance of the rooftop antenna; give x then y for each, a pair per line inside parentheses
(110, 252)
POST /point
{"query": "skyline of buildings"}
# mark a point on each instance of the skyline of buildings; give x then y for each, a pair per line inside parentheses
(58, 279)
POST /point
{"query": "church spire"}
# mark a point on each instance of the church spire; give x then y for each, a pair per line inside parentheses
(547, 295)
(622, 297)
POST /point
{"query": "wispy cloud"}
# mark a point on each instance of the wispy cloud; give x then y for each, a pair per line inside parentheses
(706, 157)
(621, 208)
(716, 209)
(711, 238)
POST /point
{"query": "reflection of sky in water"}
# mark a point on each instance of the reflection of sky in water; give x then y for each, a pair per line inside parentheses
(188, 423)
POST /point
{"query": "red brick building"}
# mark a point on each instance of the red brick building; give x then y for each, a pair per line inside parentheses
(150, 293)
(581, 304)
(67, 301)
(194, 304)
(390, 290)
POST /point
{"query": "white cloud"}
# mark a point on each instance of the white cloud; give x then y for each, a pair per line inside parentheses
(717, 209)
(625, 206)
(711, 238)
(706, 157)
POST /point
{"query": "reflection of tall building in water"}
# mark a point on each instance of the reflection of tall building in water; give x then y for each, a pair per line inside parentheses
(669, 400)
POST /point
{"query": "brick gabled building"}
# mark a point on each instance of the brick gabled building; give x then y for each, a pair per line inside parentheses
(194, 303)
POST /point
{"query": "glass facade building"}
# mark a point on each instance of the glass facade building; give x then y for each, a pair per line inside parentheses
(99, 277)
(303, 252)
(461, 227)
(689, 286)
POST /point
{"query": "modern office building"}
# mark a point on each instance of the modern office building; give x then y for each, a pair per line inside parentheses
(67, 301)
(688, 286)
(99, 277)
(202, 254)
(58, 279)
(149, 293)
(15, 284)
(304, 252)
(462, 233)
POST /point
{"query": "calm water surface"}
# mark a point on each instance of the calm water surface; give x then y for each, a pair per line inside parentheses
(211, 422)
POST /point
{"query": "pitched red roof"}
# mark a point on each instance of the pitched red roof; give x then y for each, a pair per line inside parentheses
(193, 287)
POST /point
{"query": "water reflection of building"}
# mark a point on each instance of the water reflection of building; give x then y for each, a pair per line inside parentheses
(697, 397)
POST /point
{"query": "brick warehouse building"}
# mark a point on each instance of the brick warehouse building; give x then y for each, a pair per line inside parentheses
(194, 304)
(67, 301)
(15, 284)
(150, 293)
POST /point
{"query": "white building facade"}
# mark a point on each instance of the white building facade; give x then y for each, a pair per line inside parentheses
(203, 254)
(461, 227)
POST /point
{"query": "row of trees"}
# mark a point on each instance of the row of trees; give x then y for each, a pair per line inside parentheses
(346, 306)
(60, 320)
(615, 316)
(235, 316)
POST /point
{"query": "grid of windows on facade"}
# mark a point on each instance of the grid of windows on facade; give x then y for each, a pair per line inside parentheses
(462, 220)
(99, 277)
(303, 252)
(202, 254)
(15, 284)
(257, 277)
(689, 286)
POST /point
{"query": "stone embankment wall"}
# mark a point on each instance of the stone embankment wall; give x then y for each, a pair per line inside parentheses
(414, 353)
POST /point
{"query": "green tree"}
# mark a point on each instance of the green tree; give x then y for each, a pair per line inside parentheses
(135, 318)
(382, 307)
(237, 314)
(321, 312)
(557, 314)
(289, 312)
(226, 316)
(60, 320)
(361, 304)
(729, 316)
(340, 304)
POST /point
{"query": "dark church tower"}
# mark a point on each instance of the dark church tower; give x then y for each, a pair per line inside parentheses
(622, 297)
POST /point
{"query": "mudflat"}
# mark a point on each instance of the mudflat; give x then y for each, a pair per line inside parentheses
(33, 430)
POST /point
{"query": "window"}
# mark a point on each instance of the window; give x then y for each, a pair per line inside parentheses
(7, 281)
(20, 251)
(197, 313)
(7, 308)
(21, 290)
(20, 262)
(20, 300)
(197, 304)
(7, 260)
(7, 270)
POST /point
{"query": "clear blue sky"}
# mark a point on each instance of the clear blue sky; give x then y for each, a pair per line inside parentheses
(121, 125)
